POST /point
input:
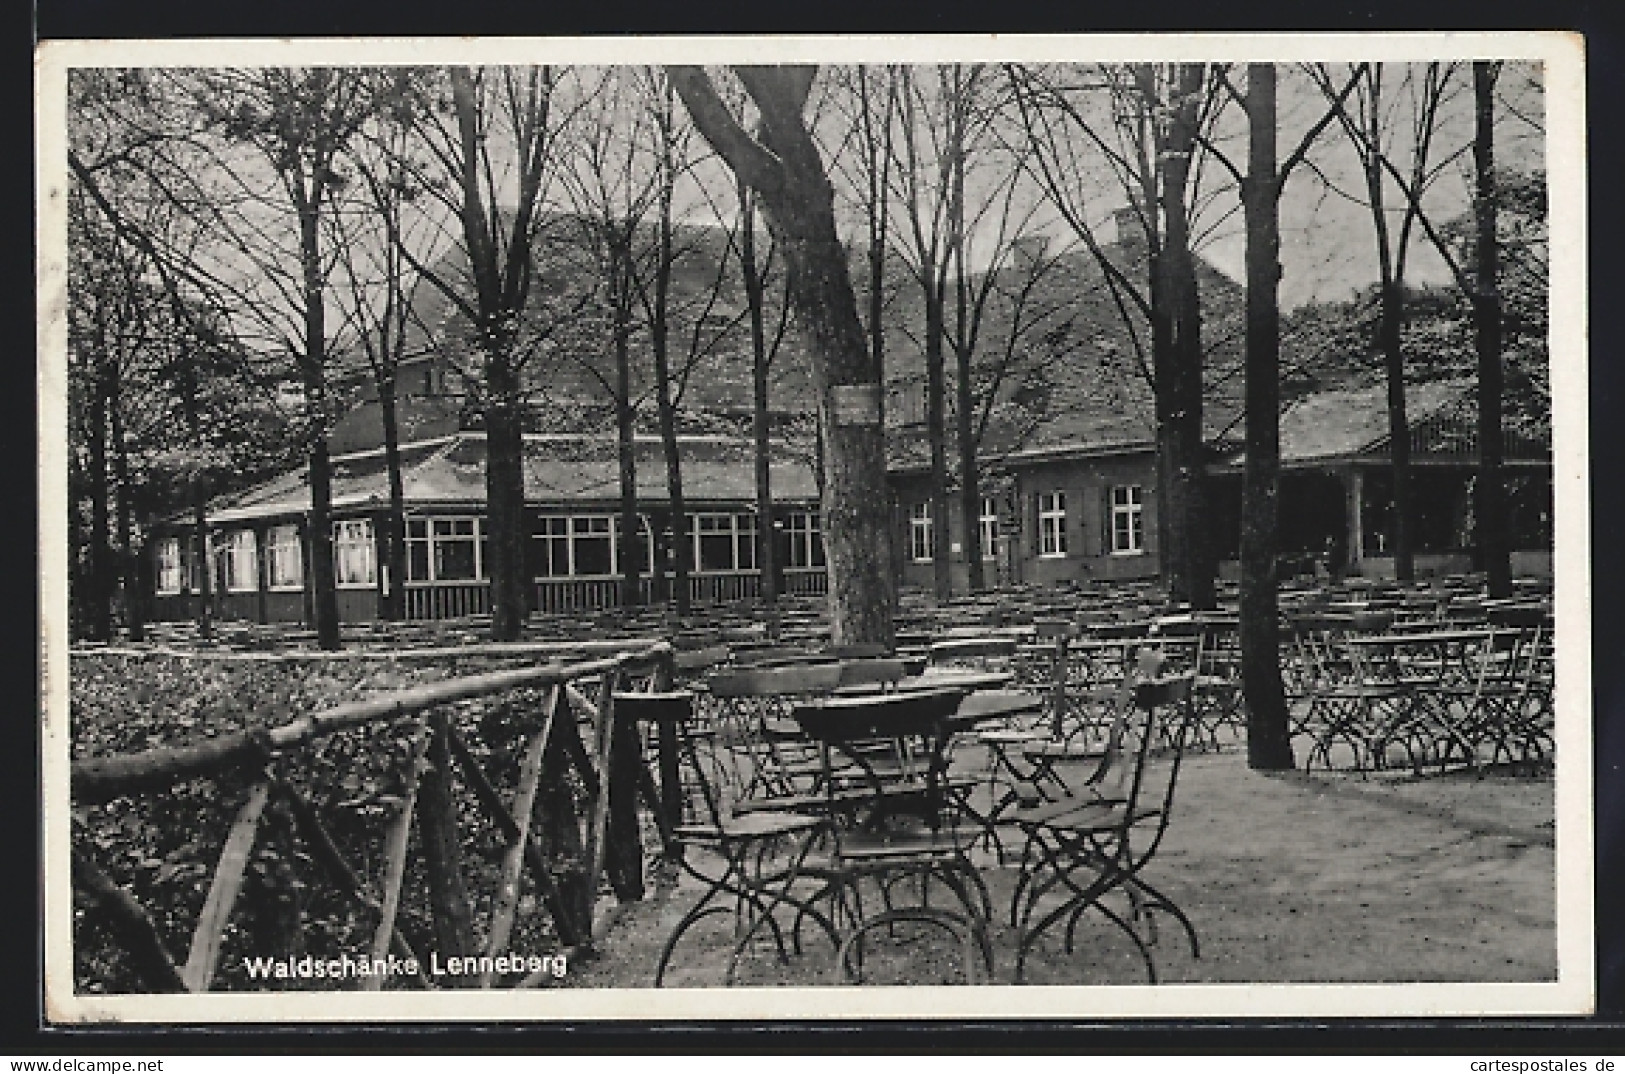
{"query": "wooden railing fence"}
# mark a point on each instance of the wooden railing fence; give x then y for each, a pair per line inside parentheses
(574, 752)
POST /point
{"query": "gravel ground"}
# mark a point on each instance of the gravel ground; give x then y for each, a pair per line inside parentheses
(1287, 878)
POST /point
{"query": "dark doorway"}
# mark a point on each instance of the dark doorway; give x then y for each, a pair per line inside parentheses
(1314, 521)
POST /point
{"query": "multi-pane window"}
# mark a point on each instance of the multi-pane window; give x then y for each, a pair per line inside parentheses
(445, 549)
(724, 542)
(1052, 524)
(987, 528)
(586, 546)
(805, 536)
(643, 550)
(921, 545)
(169, 565)
(592, 545)
(284, 558)
(552, 543)
(238, 566)
(354, 553)
(1128, 524)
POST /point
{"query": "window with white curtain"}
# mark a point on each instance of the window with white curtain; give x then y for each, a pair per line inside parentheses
(987, 528)
(354, 553)
(238, 566)
(285, 558)
(169, 565)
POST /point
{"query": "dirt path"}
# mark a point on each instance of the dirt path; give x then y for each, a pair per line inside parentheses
(1287, 878)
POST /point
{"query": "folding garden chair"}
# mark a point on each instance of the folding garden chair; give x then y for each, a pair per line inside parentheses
(752, 707)
(1093, 847)
(897, 824)
(748, 863)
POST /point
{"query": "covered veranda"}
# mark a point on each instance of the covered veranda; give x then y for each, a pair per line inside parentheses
(1337, 489)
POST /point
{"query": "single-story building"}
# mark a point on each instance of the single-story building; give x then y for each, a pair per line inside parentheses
(258, 540)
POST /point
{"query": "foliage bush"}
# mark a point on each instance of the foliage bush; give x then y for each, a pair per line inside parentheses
(162, 847)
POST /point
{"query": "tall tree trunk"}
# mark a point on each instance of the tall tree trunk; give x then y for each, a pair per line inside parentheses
(205, 573)
(659, 340)
(1190, 577)
(970, 483)
(799, 204)
(767, 546)
(324, 576)
(1269, 742)
(1176, 348)
(1493, 542)
(626, 453)
(312, 364)
(200, 500)
(394, 605)
(501, 277)
(505, 491)
(970, 486)
(135, 595)
(674, 484)
(99, 606)
(1399, 430)
(936, 434)
(1390, 273)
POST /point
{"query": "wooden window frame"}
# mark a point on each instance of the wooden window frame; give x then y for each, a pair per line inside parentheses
(1052, 524)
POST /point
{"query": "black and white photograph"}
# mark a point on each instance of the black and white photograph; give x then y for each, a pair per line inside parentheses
(740, 528)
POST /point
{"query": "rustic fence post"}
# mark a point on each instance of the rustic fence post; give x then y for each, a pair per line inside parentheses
(442, 852)
(671, 790)
(623, 842)
(558, 825)
(129, 924)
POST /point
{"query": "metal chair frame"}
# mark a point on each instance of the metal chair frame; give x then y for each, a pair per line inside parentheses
(912, 730)
(763, 854)
(1096, 845)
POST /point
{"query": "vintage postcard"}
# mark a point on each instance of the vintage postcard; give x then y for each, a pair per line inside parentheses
(1051, 527)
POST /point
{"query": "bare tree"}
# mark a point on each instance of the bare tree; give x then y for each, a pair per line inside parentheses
(1494, 546)
(928, 172)
(1146, 123)
(671, 304)
(613, 188)
(755, 272)
(109, 322)
(1269, 739)
(181, 193)
(783, 166)
(1480, 282)
(377, 243)
(497, 153)
(1368, 120)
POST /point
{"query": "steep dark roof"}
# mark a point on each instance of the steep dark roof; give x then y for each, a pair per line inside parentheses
(1078, 380)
